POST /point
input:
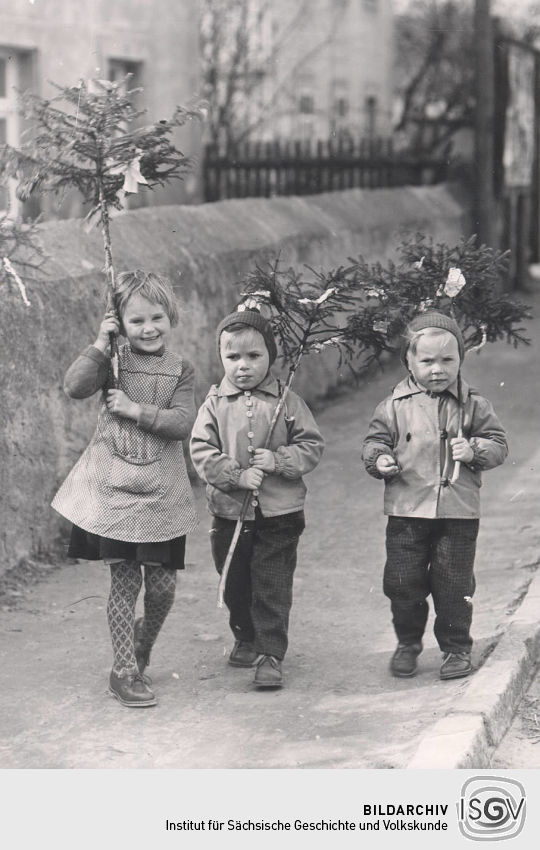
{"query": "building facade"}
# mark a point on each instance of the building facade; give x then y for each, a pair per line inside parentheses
(324, 66)
(313, 69)
(336, 68)
(62, 41)
(296, 70)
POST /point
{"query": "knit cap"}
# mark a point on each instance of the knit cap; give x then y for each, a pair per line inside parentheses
(253, 319)
(432, 319)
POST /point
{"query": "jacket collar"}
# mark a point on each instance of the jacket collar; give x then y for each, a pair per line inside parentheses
(268, 385)
(407, 387)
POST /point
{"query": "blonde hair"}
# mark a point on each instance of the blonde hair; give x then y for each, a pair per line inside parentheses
(240, 331)
(414, 337)
(149, 285)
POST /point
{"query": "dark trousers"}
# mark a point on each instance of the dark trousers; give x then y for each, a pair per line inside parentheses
(258, 591)
(431, 556)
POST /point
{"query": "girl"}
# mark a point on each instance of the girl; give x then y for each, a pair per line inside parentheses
(129, 496)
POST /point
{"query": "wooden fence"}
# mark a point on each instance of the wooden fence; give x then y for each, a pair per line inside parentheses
(267, 169)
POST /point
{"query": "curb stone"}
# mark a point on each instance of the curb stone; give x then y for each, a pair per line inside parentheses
(478, 721)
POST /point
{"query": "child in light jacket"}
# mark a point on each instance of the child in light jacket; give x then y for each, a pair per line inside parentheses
(414, 443)
(226, 449)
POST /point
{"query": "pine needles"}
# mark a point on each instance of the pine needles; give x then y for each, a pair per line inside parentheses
(88, 137)
(361, 309)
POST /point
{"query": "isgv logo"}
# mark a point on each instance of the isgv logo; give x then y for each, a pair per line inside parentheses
(491, 808)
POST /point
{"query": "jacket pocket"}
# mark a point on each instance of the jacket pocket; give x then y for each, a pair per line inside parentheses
(133, 475)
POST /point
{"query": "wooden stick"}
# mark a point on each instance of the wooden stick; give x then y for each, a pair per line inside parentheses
(109, 273)
(457, 466)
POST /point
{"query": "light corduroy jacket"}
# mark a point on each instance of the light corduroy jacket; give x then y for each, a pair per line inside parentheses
(229, 422)
(415, 428)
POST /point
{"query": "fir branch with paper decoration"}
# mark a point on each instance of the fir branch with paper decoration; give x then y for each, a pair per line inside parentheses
(362, 309)
(89, 137)
(465, 281)
(312, 312)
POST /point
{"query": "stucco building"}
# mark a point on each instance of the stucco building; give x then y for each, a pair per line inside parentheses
(65, 40)
(324, 68)
(340, 66)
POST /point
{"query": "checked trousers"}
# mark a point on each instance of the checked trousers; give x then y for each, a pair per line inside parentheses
(258, 591)
(431, 557)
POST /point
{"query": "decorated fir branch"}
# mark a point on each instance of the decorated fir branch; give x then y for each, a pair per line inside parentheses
(89, 137)
(465, 281)
(361, 309)
(308, 311)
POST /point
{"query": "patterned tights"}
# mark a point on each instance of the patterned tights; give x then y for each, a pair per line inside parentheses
(126, 583)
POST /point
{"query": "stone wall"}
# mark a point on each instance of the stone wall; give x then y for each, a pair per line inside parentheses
(205, 250)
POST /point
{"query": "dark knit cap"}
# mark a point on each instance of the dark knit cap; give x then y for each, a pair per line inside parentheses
(431, 319)
(252, 319)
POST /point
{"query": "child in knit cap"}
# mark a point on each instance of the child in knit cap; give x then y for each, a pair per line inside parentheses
(226, 449)
(432, 472)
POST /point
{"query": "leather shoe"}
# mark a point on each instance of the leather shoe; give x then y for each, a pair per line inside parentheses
(268, 672)
(403, 662)
(243, 654)
(131, 690)
(456, 665)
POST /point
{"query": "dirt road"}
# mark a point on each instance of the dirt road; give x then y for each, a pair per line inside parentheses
(339, 707)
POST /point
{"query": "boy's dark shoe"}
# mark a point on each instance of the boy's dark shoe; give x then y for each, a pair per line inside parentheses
(131, 690)
(456, 665)
(243, 654)
(403, 662)
(268, 672)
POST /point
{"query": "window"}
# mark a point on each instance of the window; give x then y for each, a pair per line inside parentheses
(3, 72)
(341, 107)
(120, 68)
(371, 115)
(4, 197)
(306, 104)
(10, 79)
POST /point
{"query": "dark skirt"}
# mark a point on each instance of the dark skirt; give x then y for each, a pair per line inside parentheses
(93, 547)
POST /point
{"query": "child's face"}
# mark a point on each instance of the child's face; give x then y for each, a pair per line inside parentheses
(147, 325)
(435, 365)
(245, 358)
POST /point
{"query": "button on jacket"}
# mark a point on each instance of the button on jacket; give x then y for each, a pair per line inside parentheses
(415, 428)
(230, 424)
